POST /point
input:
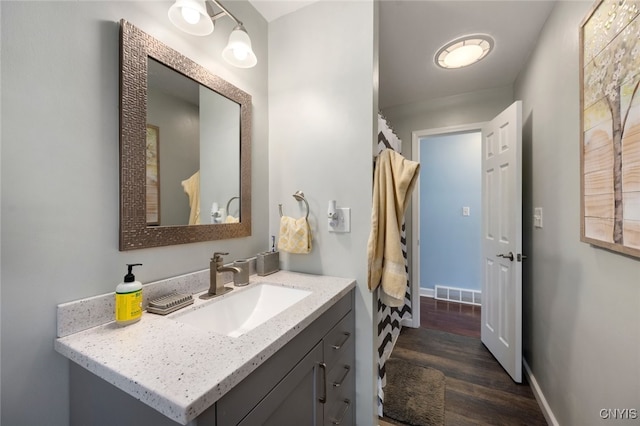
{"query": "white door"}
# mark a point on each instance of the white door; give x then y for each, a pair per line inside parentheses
(502, 239)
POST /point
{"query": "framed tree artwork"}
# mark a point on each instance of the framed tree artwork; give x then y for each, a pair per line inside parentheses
(152, 186)
(610, 126)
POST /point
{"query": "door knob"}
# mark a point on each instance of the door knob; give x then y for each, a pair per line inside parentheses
(506, 256)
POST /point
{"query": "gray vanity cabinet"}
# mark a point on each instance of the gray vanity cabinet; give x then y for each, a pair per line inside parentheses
(309, 381)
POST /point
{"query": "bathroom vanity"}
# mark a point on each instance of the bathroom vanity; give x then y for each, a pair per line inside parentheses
(296, 368)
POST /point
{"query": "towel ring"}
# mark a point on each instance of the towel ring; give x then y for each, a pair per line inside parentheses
(229, 202)
(299, 195)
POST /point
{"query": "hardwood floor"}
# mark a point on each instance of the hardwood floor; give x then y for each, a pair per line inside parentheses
(479, 391)
(456, 318)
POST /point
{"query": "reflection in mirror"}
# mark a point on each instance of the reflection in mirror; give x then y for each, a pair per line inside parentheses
(185, 148)
(200, 148)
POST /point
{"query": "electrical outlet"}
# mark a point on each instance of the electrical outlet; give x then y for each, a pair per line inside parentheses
(343, 220)
(466, 211)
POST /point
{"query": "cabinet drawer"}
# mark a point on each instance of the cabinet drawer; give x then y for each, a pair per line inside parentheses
(341, 374)
(339, 339)
(340, 414)
(339, 410)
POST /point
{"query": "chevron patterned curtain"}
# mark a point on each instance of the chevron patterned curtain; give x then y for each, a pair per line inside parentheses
(390, 319)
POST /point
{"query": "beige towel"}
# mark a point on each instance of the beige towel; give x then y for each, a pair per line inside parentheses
(232, 219)
(192, 188)
(295, 235)
(394, 179)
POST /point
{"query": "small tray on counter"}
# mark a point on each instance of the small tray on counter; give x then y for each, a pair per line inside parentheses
(172, 302)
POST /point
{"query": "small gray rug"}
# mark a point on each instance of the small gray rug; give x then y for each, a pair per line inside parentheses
(414, 395)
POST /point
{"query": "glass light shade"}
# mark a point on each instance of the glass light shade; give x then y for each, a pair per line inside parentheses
(464, 51)
(238, 51)
(191, 17)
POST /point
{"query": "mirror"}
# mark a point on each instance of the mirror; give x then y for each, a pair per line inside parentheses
(185, 149)
(197, 130)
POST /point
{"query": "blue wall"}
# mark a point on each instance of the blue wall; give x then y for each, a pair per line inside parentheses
(450, 178)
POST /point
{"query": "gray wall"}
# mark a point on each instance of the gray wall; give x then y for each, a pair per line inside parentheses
(581, 303)
(321, 133)
(220, 156)
(179, 151)
(465, 108)
(59, 195)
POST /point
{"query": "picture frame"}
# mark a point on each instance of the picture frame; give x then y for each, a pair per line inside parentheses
(610, 126)
(152, 185)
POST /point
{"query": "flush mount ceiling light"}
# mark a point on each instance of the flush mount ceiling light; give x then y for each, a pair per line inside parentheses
(191, 16)
(464, 51)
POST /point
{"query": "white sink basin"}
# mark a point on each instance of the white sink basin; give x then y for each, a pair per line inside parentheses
(242, 310)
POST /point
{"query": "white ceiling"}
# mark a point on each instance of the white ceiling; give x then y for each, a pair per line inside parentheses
(273, 9)
(411, 31)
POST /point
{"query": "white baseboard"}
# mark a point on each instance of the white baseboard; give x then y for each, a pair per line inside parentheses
(427, 292)
(537, 392)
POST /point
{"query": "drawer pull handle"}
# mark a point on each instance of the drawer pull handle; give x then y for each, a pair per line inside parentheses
(347, 335)
(344, 413)
(346, 373)
(323, 398)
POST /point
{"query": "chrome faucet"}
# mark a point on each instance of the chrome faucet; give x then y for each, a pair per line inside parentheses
(216, 281)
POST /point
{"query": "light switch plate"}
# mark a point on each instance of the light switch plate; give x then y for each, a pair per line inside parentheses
(537, 217)
(466, 211)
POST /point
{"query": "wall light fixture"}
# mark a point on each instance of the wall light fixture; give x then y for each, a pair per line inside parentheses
(192, 17)
(464, 51)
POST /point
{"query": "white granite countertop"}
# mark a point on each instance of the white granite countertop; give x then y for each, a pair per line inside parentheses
(181, 370)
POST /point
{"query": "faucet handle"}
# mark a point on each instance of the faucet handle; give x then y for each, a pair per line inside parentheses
(217, 256)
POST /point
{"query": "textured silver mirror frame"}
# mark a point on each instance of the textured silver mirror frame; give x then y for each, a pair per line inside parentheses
(135, 47)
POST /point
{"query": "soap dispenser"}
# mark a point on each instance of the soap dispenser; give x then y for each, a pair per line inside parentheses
(129, 298)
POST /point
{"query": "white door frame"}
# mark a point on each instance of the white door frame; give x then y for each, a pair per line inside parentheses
(415, 210)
